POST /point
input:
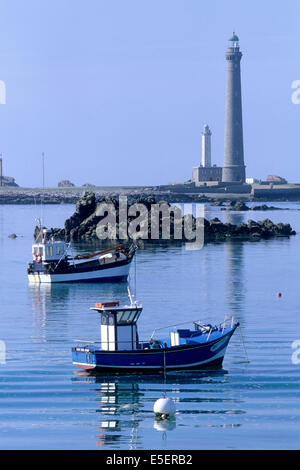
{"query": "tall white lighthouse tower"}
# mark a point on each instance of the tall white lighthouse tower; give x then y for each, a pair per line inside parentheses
(206, 147)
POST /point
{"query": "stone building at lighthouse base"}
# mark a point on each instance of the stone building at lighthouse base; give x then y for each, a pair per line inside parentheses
(202, 174)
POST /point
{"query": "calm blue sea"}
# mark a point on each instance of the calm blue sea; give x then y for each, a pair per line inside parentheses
(46, 404)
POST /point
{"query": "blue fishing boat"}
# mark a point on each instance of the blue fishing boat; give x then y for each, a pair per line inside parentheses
(120, 349)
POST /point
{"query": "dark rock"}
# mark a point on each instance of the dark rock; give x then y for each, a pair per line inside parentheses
(8, 181)
(240, 206)
(217, 203)
(65, 184)
(216, 226)
(253, 226)
(264, 207)
(85, 207)
(256, 235)
(276, 179)
(82, 225)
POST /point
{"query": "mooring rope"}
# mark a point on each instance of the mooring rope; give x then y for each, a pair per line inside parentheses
(242, 338)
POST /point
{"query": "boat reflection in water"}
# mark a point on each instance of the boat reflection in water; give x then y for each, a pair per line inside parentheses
(125, 404)
(119, 406)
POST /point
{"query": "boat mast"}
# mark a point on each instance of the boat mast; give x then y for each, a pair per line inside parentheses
(43, 184)
(130, 296)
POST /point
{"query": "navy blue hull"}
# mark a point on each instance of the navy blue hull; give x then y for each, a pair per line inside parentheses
(111, 272)
(214, 364)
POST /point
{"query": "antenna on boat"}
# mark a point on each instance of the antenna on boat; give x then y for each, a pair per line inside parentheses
(130, 296)
(134, 282)
(43, 184)
(40, 234)
(135, 275)
(43, 166)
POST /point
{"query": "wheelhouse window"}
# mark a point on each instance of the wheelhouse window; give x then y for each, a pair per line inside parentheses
(107, 318)
(127, 317)
(49, 251)
(60, 250)
(121, 317)
(38, 250)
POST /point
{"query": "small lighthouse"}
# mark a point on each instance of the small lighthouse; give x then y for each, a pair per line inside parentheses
(206, 147)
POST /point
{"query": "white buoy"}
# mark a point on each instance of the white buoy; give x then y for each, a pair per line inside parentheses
(164, 408)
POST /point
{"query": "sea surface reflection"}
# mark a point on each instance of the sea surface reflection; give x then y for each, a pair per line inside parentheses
(46, 403)
(125, 403)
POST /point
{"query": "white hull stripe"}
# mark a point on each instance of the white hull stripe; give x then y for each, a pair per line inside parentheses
(119, 271)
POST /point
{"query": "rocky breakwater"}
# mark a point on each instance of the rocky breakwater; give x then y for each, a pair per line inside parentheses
(252, 230)
(241, 206)
(37, 197)
(153, 221)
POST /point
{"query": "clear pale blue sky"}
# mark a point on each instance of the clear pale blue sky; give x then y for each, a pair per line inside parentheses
(116, 92)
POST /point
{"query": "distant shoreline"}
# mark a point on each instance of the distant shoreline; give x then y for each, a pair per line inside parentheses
(70, 195)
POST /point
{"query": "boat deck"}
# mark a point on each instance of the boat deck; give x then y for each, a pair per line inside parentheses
(185, 337)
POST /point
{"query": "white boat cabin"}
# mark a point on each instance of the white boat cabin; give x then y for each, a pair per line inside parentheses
(118, 325)
(48, 250)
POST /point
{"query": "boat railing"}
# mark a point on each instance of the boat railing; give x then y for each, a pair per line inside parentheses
(141, 343)
(171, 326)
(92, 255)
(226, 322)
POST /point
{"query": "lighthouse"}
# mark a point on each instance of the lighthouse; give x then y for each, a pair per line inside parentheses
(206, 147)
(234, 167)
